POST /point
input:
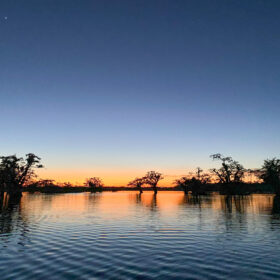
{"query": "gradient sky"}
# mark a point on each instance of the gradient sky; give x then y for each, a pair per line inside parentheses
(116, 88)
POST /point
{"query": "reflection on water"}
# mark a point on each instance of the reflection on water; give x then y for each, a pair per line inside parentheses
(276, 205)
(126, 235)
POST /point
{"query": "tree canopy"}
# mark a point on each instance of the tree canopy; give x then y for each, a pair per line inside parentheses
(152, 178)
(15, 171)
(231, 171)
(94, 182)
(270, 172)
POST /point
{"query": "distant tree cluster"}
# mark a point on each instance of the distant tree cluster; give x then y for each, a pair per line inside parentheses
(193, 182)
(230, 175)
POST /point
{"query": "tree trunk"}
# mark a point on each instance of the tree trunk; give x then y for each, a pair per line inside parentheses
(14, 190)
(155, 189)
(277, 189)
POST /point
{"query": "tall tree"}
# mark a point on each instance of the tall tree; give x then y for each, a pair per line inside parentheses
(152, 178)
(270, 173)
(231, 171)
(16, 172)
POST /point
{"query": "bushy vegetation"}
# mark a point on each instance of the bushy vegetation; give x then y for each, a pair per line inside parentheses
(270, 173)
(194, 183)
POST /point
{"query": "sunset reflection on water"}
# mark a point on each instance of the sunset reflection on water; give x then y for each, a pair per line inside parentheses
(125, 235)
(117, 205)
(165, 200)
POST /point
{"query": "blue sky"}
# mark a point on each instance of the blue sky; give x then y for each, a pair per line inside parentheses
(118, 85)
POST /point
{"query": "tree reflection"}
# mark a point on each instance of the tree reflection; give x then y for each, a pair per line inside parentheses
(235, 209)
(226, 203)
(8, 202)
(92, 200)
(11, 218)
(200, 201)
(235, 203)
(276, 205)
(153, 203)
(147, 200)
(195, 200)
(138, 198)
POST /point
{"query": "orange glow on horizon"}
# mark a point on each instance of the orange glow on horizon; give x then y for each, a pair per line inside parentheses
(115, 177)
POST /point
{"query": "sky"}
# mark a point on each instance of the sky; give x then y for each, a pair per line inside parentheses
(117, 88)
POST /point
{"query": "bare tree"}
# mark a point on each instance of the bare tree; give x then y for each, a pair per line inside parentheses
(152, 178)
(137, 183)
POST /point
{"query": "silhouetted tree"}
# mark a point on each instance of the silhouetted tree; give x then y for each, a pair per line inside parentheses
(16, 172)
(270, 173)
(152, 178)
(94, 183)
(230, 172)
(204, 178)
(137, 183)
(183, 183)
(194, 183)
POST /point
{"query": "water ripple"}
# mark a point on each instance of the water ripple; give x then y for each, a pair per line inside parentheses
(124, 236)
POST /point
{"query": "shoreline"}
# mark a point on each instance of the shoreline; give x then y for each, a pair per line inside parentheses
(211, 188)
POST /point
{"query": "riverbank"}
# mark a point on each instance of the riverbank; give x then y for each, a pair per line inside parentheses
(209, 188)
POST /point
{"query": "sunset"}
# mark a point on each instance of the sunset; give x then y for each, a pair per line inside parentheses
(100, 86)
(140, 139)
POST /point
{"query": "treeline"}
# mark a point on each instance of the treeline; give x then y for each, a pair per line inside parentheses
(18, 174)
(229, 178)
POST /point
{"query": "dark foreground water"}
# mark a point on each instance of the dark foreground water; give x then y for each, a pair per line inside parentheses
(126, 236)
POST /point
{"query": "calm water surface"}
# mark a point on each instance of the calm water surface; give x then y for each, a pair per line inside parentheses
(123, 235)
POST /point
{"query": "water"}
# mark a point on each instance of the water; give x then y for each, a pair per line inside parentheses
(122, 235)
